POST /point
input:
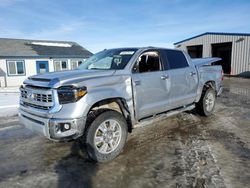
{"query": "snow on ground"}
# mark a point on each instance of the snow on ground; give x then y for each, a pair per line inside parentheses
(9, 104)
(9, 89)
(186, 150)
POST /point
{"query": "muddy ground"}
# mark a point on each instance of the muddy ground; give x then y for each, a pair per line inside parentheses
(186, 150)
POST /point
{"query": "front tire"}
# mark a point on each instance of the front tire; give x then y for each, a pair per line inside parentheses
(206, 104)
(106, 136)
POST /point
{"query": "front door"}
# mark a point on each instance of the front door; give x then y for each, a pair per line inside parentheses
(42, 67)
(149, 84)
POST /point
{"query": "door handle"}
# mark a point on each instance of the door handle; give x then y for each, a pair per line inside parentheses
(164, 77)
(192, 73)
(137, 82)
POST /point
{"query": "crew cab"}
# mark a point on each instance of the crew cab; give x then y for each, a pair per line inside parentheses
(115, 91)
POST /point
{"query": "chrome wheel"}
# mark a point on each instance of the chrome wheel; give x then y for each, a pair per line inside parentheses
(209, 101)
(107, 136)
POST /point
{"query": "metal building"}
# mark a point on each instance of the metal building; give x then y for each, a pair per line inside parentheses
(233, 48)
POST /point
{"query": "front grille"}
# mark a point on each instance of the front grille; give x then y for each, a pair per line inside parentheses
(37, 106)
(37, 98)
(43, 98)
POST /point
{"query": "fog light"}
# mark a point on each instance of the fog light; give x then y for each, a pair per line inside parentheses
(66, 126)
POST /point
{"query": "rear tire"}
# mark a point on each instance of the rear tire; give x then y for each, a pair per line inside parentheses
(206, 104)
(106, 136)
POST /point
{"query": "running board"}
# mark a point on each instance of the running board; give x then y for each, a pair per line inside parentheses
(162, 116)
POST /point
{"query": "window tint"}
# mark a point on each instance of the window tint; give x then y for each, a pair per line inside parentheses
(16, 67)
(60, 65)
(149, 62)
(64, 65)
(75, 63)
(20, 67)
(79, 63)
(176, 59)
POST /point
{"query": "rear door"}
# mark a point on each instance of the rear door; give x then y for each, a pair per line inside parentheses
(183, 80)
(149, 85)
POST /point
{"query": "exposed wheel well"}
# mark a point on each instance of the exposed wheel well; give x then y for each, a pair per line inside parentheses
(209, 84)
(117, 104)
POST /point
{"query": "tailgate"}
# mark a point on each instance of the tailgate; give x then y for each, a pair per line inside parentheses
(205, 61)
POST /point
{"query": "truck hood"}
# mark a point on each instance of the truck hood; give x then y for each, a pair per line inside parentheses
(56, 79)
(205, 61)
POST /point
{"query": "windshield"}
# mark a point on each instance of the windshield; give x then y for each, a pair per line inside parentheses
(109, 59)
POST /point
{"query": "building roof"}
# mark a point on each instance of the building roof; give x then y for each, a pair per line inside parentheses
(213, 33)
(11, 48)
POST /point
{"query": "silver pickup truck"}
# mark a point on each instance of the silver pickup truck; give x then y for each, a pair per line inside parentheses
(115, 91)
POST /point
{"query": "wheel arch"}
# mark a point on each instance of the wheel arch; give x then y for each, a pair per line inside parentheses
(209, 84)
(117, 104)
(206, 85)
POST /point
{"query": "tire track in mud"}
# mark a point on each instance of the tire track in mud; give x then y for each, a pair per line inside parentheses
(192, 164)
(197, 159)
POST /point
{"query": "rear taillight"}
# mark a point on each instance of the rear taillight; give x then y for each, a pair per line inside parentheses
(222, 75)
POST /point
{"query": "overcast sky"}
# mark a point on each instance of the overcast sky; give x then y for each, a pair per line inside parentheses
(99, 24)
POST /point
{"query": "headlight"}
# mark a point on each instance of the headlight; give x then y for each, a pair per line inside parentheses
(69, 94)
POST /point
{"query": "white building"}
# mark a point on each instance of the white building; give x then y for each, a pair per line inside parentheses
(22, 58)
(233, 48)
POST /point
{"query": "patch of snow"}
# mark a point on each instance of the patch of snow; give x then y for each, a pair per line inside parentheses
(52, 44)
(9, 90)
(9, 103)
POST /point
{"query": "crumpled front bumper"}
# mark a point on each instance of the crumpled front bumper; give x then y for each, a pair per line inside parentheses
(51, 128)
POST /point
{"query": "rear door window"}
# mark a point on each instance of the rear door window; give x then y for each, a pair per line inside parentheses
(175, 59)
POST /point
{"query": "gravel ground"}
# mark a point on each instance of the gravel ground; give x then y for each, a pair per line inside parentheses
(186, 150)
